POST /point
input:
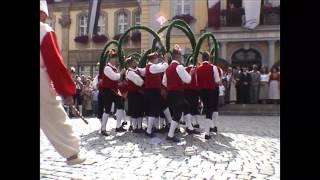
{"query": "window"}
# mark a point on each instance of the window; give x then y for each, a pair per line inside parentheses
(182, 7)
(83, 24)
(88, 69)
(137, 18)
(101, 25)
(122, 22)
(50, 21)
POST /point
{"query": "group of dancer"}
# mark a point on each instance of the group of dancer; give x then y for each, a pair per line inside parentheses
(162, 93)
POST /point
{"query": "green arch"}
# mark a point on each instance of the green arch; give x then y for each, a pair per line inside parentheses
(120, 52)
(182, 23)
(103, 56)
(199, 43)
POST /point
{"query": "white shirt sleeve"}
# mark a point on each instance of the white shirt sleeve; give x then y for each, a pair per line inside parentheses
(216, 74)
(111, 74)
(183, 74)
(164, 80)
(135, 78)
(142, 71)
(158, 68)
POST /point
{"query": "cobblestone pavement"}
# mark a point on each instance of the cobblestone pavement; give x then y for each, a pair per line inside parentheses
(247, 147)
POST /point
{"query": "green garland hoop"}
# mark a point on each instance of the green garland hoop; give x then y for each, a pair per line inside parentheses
(198, 46)
(119, 50)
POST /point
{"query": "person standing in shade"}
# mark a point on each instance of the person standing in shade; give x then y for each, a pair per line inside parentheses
(244, 86)
(233, 90)
(254, 88)
(274, 85)
(264, 85)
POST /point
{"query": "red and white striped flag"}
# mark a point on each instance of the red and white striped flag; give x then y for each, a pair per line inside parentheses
(214, 13)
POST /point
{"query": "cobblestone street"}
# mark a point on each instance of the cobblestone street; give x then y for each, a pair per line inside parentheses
(247, 147)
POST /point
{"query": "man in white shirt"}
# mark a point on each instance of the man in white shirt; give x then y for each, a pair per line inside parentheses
(153, 75)
(109, 88)
(174, 79)
(135, 95)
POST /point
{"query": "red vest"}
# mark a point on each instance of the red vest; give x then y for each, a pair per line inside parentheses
(193, 85)
(108, 83)
(132, 86)
(152, 80)
(174, 83)
(205, 76)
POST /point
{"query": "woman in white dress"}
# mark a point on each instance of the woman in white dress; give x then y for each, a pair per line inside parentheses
(233, 90)
(264, 85)
(274, 85)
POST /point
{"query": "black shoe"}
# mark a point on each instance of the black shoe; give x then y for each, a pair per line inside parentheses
(192, 131)
(215, 129)
(150, 135)
(166, 129)
(207, 137)
(104, 133)
(124, 123)
(174, 139)
(120, 129)
(130, 128)
(196, 126)
(182, 123)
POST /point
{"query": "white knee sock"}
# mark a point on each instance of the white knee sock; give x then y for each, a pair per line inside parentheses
(187, 119)
(123, 112)
(167, 114)
(80, 109)
(156, 123)
(215, 119)
(150, 124)
(207, 122)
(119, 117)
(139, 122)
(133, 122)
(173, 126)
(161, 122)
(105, 117)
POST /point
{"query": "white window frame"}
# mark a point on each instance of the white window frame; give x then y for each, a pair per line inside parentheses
(83, 28)
(181, 5)
(122, 25)
(101, 25)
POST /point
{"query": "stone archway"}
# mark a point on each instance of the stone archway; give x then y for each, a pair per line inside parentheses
(243, 57)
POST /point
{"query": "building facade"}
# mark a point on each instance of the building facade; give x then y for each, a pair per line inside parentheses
(238, 46)
(69, 20)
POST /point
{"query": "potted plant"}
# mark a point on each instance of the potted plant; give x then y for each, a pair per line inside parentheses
(84, 39)
(117, 37)
(186, 17)
(136, 36)
(99, 38)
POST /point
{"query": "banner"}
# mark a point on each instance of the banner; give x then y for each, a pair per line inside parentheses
(214, 13)
(252, 13)
(94, 13)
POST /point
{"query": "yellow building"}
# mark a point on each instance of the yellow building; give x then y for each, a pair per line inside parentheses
(237, 45)
(69, 20)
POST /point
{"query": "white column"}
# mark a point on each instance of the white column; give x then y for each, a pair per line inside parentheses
(271, 49)
(223, 50)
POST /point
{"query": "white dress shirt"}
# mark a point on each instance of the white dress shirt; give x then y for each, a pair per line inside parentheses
(134, 77)
(182, 73)
(95, 82)
(108, 71)
(158, 68)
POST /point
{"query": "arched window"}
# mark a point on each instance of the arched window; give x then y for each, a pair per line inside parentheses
(82, 24)
(248, 57)
(51, 21)
(122, 22)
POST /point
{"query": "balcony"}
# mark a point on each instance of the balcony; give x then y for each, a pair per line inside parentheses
(235, 17)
